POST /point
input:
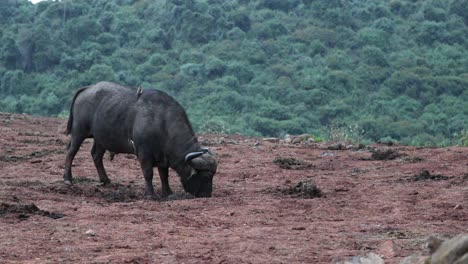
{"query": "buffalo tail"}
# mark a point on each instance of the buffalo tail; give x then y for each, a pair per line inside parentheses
(70, 118)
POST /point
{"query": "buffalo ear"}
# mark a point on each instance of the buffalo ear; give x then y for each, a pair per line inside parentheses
(202, 160)
(205, 163)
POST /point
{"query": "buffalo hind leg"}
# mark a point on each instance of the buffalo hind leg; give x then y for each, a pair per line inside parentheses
(164, 175)
(146, 164)
(97, 153)
(73, 147)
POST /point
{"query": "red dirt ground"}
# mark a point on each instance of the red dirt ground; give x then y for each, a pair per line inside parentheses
(367, 205)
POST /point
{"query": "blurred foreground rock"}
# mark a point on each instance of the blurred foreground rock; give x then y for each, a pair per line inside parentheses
(452, 251)
(370, 258)
(298, 139)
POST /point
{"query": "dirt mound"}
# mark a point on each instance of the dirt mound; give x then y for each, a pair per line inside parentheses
(291, 163)
(179, 196)
(34, 154)
(386, 154)
(424, 175)
(24, 211)
(84, 187)
(303, 189)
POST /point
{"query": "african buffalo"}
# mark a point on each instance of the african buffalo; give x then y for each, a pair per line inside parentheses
(148, 123)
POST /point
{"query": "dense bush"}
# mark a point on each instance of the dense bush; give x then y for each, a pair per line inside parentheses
(396, 69)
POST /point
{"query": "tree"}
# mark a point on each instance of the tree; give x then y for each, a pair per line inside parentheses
(460, 8)
(10, 55)
(100, 72)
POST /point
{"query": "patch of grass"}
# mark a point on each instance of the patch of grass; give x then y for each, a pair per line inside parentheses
(304, 189)
(214, 126)
(464, 138)
(35, 154)
(346, 133)
(25, 210)
(318, 138)
(291, 163)
(179, 196)
(386, 154)
(424, 175)
(121, 194)
(413, 159)
(80, 179)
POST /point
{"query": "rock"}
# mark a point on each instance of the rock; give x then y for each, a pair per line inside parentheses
(451, 251)
(388, 249)
(296, 140)
(386, 154)
(433, 243)
(271, 140)
(370, 258)
(462, 260)
(287, 138)
(414, 259)
(301, 138)
(337, 146)
(359, 147)
(90, 232)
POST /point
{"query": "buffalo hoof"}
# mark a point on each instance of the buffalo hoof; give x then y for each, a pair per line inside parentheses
(104, 183)
(152, 197)
(67, 182)
(166, 194)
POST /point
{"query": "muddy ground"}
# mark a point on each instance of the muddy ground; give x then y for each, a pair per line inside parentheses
(272, 202)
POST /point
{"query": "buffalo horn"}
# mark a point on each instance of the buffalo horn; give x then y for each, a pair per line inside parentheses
(193, 155)
(199, 162)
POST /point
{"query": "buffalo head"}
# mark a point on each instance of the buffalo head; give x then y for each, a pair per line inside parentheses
(200, 181)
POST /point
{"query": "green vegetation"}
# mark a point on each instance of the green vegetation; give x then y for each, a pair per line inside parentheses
(392, 70)
(464, 138)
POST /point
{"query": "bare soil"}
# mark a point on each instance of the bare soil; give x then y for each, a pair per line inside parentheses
(315, 204)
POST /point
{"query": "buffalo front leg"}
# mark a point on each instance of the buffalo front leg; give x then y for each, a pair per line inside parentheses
(97, 153)
(73, 147)
(147, 168)
(164, 175)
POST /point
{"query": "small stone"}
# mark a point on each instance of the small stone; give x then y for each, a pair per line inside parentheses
(90, 232)
(271, 140)
(388, 249)
(337, 146)
(413, 259)
(296, 140)
(433, 243)
(299, 228)
(370, 258)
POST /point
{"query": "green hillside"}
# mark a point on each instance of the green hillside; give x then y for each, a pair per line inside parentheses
(378, 69)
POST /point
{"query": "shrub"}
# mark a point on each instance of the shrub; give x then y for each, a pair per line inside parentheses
(463, 138)
(374, 56)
